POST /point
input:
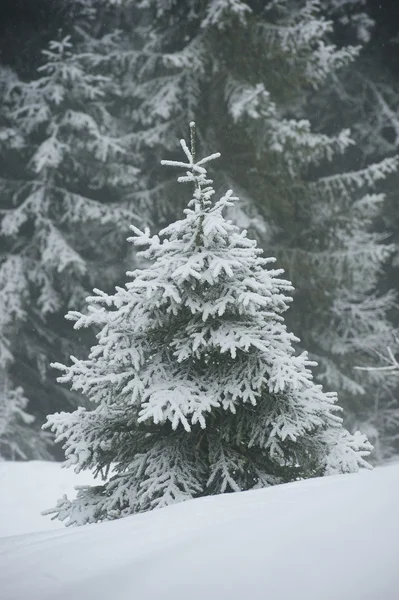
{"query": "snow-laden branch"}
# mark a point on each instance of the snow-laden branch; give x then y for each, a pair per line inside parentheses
(392, 366)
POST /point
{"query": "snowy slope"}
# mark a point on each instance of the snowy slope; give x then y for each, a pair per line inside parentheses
(27, 488)
(335, 538)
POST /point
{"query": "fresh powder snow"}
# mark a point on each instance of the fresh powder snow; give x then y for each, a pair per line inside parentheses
(333, 538)
(27, 488)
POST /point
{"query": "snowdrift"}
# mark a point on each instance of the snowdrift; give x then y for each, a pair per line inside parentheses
(325, 539)
(27, 488)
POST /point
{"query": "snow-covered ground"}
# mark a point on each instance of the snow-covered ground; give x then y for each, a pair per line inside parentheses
(335, 538)
(27, 488)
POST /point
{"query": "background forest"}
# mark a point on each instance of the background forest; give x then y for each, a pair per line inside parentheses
(302, 100)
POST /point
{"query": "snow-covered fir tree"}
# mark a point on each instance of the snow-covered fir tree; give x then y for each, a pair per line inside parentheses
(66, 171)
(246, 72)
(195, 381)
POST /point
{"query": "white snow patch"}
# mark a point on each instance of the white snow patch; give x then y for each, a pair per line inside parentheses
(27, 488)
(334, 538)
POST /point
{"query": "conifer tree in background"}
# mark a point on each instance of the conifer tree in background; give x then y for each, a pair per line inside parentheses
(366, 99)
(66, 173)
(352, 17)
(196, 386)
(246, 72)
(18, 440)
(27, 27)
